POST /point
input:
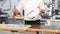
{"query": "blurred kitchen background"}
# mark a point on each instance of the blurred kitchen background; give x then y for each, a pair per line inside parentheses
(9, 4)
(52, 12)
(50, 5)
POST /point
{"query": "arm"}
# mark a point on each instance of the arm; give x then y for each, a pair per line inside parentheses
(41, 7)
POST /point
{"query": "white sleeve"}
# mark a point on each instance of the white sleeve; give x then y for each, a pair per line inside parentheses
(41, 5)
(34, 13)
(19, 7)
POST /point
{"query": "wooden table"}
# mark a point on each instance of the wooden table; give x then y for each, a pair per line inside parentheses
(44, 28)
(30, 28)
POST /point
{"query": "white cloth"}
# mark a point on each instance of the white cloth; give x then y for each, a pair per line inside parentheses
(28, 6)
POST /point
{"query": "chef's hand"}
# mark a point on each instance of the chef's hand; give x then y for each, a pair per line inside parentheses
(42, 11)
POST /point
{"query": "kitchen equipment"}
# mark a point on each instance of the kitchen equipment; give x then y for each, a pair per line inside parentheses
(3, 16)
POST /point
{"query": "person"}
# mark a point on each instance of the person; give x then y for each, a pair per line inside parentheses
(15, 12)
(32, 10)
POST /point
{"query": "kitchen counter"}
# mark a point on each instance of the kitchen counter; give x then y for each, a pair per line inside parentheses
(17, 17)
(30, 28)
